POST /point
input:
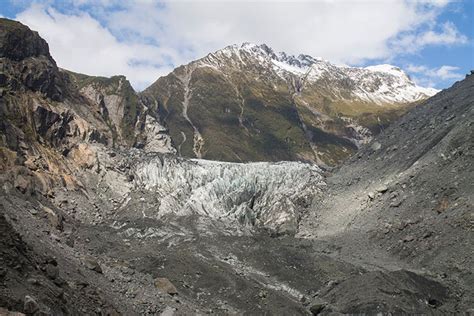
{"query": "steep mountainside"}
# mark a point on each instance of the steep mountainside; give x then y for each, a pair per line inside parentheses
(50, 117)
(130, 122)
(410, 194)
(248, 103)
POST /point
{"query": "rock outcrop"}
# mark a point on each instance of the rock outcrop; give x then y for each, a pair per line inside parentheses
(50, 117)
(130, 122)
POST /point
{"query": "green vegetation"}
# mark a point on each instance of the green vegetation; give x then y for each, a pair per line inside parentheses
(246, 116)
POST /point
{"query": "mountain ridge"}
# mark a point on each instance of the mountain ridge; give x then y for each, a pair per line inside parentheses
(249, 92)
(308, 66)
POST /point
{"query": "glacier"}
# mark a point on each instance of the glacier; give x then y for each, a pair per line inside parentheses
(247, 196)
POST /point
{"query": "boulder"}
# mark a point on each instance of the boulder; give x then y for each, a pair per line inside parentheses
(376, 146)
(21, 183)
(382, 189)
(55, 219)
(92, 264)
(371, 195)
(30, 305)
(165, 286)
(52, 271)
(317, 307)
(396, 203)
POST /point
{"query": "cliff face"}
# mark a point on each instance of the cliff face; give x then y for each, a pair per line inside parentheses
(50, 117)
(130, 122)
(26, 63)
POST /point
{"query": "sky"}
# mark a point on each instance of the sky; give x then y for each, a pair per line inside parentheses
(432, 40)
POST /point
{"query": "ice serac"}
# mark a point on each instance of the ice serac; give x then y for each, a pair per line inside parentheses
(249, 103)
(252, 195)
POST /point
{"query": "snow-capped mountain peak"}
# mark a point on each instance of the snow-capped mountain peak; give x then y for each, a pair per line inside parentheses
(381, 84)
(386, 68)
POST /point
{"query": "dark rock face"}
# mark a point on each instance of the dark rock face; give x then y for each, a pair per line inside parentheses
(39, 74)
(18, 42)
(25, 62)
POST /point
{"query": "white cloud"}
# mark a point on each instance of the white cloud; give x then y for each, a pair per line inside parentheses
(448, 35)
(427, 76)
(80, 43)
(167, 32)
(341, 31)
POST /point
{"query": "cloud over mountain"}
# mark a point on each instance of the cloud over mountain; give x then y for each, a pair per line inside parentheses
(145, 39)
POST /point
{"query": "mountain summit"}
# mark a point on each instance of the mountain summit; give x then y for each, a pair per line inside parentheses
(380, 83)
(249, 103)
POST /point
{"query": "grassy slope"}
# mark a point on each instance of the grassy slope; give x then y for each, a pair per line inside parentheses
(270, 127)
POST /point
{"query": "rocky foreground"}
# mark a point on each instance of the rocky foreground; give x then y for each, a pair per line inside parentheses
(97, 220)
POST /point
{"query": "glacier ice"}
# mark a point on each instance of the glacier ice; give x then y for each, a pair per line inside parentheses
(261, 194)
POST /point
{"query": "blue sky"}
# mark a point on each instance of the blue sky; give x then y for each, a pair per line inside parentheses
(432, 40)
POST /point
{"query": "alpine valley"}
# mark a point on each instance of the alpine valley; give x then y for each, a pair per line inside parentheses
(247, 182)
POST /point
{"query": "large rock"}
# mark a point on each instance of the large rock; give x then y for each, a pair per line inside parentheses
(165, 286)
(22, 183)
(30, 305)
(91, 264)
(54, 218)
(317, 308)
